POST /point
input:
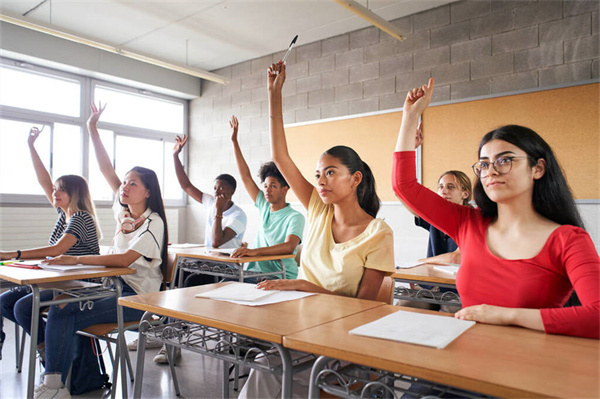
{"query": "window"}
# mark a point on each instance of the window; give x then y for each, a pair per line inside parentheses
(137, 129)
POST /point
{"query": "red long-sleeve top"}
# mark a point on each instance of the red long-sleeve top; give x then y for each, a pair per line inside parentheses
(567, 260)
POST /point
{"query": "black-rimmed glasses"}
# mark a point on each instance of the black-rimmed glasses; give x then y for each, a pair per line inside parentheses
(502, 165)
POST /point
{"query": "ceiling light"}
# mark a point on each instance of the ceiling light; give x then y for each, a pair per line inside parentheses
(371, 17)
(115, 50)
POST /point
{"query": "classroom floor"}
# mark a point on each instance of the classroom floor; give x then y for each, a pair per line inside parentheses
(199, 376)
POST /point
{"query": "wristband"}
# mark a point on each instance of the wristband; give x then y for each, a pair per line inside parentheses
(218, 216)
(18, 254)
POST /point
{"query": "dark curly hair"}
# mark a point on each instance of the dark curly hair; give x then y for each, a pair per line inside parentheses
(269, 169)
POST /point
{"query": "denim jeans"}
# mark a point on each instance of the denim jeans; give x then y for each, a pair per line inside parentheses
(64, 323)
(15, 305)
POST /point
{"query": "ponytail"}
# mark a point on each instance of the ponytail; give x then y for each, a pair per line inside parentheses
(366, 192)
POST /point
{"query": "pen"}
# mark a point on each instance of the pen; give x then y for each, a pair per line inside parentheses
(289, 49)
(6, 263)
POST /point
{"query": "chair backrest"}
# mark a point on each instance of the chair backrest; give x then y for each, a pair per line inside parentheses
(168, 271)
(298, 251)
(386, 291)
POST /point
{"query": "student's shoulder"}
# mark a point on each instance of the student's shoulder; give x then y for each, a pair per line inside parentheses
(379, 226)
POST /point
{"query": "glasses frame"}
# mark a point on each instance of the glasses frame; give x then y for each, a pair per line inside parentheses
(510, 157)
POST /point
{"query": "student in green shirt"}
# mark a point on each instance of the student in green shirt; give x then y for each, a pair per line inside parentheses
(281, 226)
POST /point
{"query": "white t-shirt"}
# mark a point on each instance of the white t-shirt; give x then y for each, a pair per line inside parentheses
(234, 218)
(146, 240)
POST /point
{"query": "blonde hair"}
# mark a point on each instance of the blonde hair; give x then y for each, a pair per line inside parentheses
(464, 182)
(78, 191)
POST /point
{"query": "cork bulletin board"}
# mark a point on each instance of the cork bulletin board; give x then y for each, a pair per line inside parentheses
(567, 118)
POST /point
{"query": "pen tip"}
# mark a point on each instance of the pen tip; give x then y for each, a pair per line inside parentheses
(294, 41)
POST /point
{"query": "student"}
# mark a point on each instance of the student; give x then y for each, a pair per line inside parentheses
(140, 243)
(524, 249)
(225, 222)
(76, 232)
(281, 226)
(348, 250)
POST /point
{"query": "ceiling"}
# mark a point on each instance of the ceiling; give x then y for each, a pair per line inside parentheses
(202, 33)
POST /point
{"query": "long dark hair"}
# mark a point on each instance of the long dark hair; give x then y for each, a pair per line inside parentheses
(366, 193)
(155, 203)
(552, 197)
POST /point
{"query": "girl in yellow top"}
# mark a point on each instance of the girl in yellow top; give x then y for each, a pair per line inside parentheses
(348, 251)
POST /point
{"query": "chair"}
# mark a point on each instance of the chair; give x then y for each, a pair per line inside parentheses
(104, 331)
(386, 291)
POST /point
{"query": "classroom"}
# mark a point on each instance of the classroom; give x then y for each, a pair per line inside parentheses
(495, 63)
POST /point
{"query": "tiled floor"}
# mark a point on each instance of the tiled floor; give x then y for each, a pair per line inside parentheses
(199, 376)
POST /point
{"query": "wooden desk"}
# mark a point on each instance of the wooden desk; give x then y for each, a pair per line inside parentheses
(36, 278)
(427, 275)
(494, 360)
(218, 265)
(268, 323)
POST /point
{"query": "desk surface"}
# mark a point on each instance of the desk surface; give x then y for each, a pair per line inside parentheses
(24, 276)
(268, 322)
(200, 253)
(425, 273)
(495, 360)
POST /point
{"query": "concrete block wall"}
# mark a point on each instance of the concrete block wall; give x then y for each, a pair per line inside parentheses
(472, 48)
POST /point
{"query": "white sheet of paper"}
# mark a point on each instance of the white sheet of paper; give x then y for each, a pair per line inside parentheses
(68, 268)
(415, 328)
(186, 245)
(279, 296)
(220, 251)
(244, 292)
(451, 270)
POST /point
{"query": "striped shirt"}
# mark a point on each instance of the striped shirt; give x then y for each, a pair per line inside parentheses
(81, 225)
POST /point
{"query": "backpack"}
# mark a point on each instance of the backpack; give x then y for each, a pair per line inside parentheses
(87, 370)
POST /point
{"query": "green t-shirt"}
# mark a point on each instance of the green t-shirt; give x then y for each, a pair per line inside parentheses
(274, 228)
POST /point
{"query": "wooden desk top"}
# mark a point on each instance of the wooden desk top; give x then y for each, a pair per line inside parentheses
(425, 273)
(268, 322)
(200, 253)
(500, 361)
(24, 276)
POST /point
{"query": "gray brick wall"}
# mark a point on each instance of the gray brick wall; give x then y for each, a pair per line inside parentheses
(473, 48)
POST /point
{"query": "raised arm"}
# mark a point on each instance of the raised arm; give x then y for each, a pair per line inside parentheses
(184, 181)
(102, 157)
(243, 168)
(415, 104)
(40, 170)
(279, 151)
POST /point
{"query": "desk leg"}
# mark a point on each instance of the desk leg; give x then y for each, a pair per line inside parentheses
(121, 341)
(287, 372)
(141, 354)
(282, 268)
(35, 324)
(313, 389)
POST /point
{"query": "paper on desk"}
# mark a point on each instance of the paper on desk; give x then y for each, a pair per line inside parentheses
(68, 268)
(415, 328)
(248, 294)
(185, 245)
(408, 265)
(450, 269)
(219, 251)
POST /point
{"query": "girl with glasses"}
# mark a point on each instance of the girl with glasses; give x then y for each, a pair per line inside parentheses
(524, 250)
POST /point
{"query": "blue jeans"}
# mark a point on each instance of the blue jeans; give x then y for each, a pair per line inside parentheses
(15, 305)
(64, 323)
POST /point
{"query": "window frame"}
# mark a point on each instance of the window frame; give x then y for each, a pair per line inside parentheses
(87, 87)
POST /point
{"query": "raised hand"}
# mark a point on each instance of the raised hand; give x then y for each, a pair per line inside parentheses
(276, 76)
(234, 128)
(179, 144)
(418, 99)
(96, 113)
(34, 132)
(419, 135)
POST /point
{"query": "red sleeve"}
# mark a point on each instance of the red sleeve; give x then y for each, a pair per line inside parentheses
(582, 265)
(443, 214)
